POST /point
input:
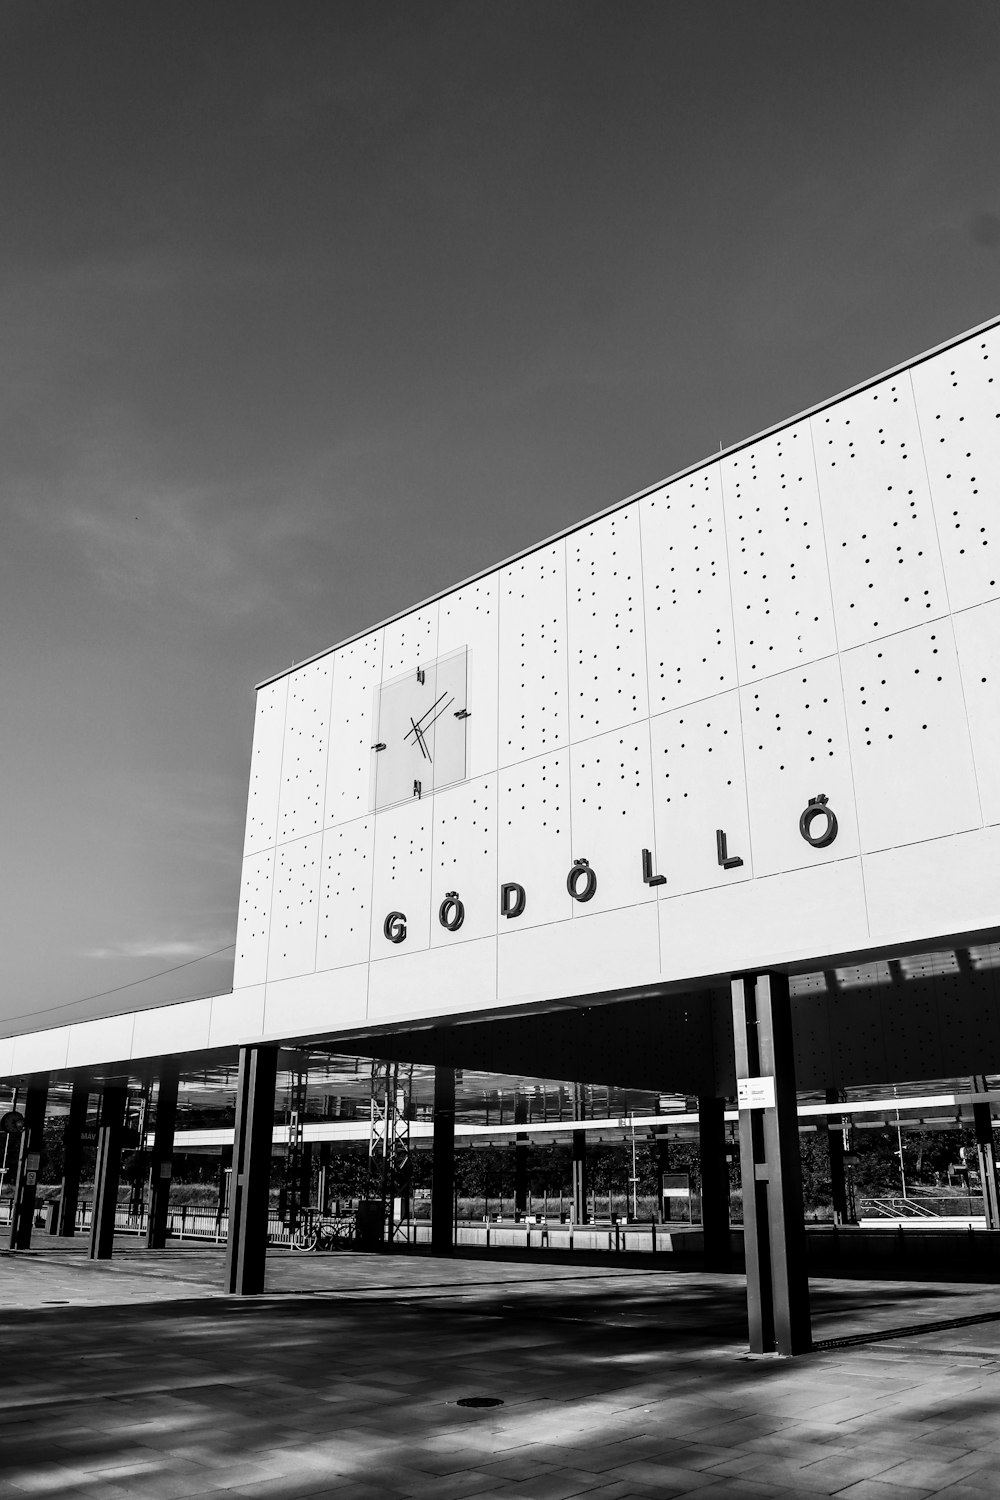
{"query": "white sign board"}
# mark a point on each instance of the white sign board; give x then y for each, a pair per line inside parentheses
(755, 1093)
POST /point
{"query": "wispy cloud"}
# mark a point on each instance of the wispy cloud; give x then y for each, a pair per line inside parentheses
(165, 950)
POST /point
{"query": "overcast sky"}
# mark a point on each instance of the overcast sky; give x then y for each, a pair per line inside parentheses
(311, 309)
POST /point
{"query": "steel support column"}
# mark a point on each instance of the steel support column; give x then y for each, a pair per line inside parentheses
(714, 1182)
(662, 1146)
(838, 1176)
(773, 1224)
(580, 1184)
(225, 1176)
(520, 1158)
(982, 1115)
(110, 1134)
(28, 1161)
(246, 1248)
(443, 1165)
(69, 1191)
(323, 1193)
(161, 1166)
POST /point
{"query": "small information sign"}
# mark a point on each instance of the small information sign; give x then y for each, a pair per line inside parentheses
(32, 1161)
(677, 1185)
(755, 1093)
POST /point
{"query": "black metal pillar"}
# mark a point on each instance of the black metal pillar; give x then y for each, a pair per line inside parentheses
(225, 1176)
(110, 1133)
(982, 1116)
(305, 1175)
(773, 1224)
(662, 1147)
(714, 1182)
(520, 1158)
(443, 1166)
(838, 1176)
(69, 1193)
(323, 1190)
(161, 1165)
(580, 1183)
(28, 1161)
(249, 1195)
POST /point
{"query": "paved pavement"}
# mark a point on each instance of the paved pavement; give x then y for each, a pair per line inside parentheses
(136, 1378)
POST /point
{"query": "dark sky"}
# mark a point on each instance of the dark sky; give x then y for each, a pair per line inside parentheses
(309, 310)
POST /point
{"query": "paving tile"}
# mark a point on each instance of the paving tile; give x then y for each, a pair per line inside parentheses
(875, 1489)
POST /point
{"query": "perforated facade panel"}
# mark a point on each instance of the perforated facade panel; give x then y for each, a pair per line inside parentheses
(533, 683)
(748, 717)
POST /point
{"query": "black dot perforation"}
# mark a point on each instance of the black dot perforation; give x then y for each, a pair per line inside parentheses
(776, 543)
(608, 658)
(296, 880)
(796, 723)
(686, 590)
(892, 706)
(535, 797)
(344, 909)
(534, 643)
(303, 779)
(698, 735)
(959, 406)
(879, 525)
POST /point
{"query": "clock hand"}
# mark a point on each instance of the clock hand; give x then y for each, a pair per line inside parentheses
(420, 739)
(419, 722)
(440, 711)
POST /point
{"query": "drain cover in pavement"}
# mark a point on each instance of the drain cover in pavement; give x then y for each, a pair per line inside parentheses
(479, 1401)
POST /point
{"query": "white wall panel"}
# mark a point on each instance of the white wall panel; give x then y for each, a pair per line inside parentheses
(316, 1002)
(294, 908)
(434, 982)
(534, 714)
(265, 766)
(795, 740)
(612, 804)
(780, 918)
(699, 786)
(607, 648)
(7, 1056)
(913, 770)
(938, 888)
(254, 918)
(172, 1028)
(345, 895)
(350, 785)
(534, 842)
(958, 403)
(611, 949)
(882, 548)
(782, 609)
(471, 617)
(303, 762)
(106, 1040)
(977, 636)
(465, 859)
(410, 642)
(238, 1017)
(689, 614)
(402, 880)
(39, 1051)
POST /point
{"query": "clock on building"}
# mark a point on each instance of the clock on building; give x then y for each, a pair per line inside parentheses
(422, 728)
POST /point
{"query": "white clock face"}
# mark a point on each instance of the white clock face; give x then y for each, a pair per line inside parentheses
(422, 719)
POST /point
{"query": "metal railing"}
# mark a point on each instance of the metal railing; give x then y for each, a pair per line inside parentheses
(923, 1206)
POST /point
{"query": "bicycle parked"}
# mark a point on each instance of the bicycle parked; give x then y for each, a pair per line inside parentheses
(318, 1231)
